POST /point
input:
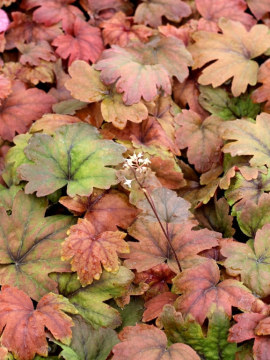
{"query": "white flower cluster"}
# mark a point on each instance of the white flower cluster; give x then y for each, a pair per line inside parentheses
(138, 163)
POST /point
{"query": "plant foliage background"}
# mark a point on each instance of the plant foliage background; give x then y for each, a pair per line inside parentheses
(134, 196)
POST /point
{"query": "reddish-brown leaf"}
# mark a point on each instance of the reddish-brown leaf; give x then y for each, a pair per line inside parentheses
(23, 327)
(157, 279)
(212, 11)
(50, 12)
(84, 42)
(201, 137)
(155, 305)
(87, 250)
(24, 30)
(105, 210)
(252, 326)
(201, 291)
(153, 248)
(21, 108)
(146, 342)
(119, 30)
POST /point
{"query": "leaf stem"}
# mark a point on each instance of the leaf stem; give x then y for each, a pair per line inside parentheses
(153, 207)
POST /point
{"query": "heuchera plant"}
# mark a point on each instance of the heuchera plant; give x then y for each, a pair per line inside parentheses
(134, 179)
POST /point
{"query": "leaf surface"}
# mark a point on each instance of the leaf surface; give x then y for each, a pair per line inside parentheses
(75, 156)
(89, 300)
(151, 12)
(202, 291)
(149, 343)
(88, 250)
(251, 261)
(23, 327)
(212, 346)
(83, 43)
(233, 51)
(249, 138)
(140, 70)
(29, 245)
(29, 104)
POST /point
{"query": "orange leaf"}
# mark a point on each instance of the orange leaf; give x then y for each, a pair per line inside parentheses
(89, 250)
(23, 327)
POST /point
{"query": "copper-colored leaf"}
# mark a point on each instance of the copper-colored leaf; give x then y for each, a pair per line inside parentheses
(201, 137)
(88, 250)
(153, 248)
(259, 7)
(262, 94)
(21, 108)
(119, 31)
(155, 305)
(141, 69)
(50, 12)
(23, 327)
(233, 52)
(149, 343)
(83, 43)
(32, 53)
(201, 291)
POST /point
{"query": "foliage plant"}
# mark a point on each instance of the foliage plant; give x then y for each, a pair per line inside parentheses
(134, 179)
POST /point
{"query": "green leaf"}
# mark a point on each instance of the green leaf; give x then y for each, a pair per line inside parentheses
(212, 346)
(132, 313)
(14, 158)
(7, 196)
(89, 343)
(29, 245)
(75, 156)
(253, 216)
(218, 102)
(89, 300)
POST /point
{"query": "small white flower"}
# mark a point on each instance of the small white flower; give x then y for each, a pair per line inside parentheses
(128, 182)
(140, 155)
(146, 161)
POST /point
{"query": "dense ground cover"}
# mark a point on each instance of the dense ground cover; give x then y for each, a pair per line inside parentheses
(134, 195)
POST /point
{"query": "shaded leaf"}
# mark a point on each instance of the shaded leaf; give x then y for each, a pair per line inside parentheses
(89, 343)
(262, 94)
(149, 343)
(89, 300)
(233, 51)
(70, 158)
(23, 327)
(29, 245)
(202, 291)
(219, 103)
(170, 208)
